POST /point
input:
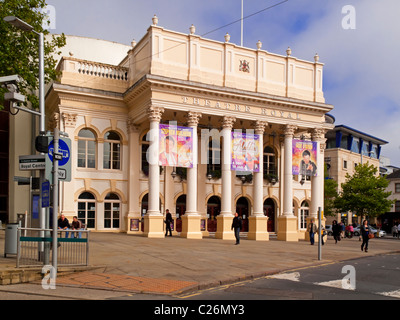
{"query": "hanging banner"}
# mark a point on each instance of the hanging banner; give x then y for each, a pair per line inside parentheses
(245, 152)
(304, 158)
(176, 146)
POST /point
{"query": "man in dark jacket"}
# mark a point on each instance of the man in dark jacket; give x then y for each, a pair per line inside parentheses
(63, 224)
(168, 221)
(237, 225)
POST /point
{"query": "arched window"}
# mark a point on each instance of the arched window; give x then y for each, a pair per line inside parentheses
(87, 209)
(112, 151)
(269, 162)
(86, 149)
(145, 145)
(304, 212)
(112, 210)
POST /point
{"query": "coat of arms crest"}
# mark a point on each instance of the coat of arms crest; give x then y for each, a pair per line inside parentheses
(244, 66)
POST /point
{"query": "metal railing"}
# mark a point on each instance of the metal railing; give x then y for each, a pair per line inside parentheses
(34, 247)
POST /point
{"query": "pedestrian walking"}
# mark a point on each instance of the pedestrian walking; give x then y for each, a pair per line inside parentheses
(336, 229)
(168, 221)
(398, 230)
(312, 229)
(236, 226)
(395, 231)
(366, 234)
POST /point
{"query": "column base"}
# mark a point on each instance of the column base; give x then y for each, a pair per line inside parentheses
(287, 228)
(224, 224)
(154, 226)
(258, 228)
(191, 227)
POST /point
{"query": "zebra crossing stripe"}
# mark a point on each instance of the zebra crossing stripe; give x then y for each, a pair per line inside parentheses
(393, 294)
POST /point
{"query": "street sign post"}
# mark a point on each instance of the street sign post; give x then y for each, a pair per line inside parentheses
(45, 194)
(34, 162)
(63, 156)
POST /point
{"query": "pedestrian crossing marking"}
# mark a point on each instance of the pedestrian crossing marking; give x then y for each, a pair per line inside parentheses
(294, 276)
(393, 294)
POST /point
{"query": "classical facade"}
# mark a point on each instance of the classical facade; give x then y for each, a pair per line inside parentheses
(112, 114)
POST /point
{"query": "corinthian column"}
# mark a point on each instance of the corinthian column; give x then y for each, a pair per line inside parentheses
(287, 222)
(224, 220)
(191, 219)
(153, 220)
(258, 228)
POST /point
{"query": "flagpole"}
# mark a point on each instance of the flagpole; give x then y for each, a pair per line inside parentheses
(241, 22)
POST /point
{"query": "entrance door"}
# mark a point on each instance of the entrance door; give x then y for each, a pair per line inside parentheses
(242, 208)
(269, 211)
(213, 210)
(180, 211)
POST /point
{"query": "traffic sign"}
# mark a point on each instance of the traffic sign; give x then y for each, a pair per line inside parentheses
(45, 194)
(63, 156)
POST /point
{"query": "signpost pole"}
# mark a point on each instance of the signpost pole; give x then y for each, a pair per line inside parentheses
(55, 200)
(319, 234)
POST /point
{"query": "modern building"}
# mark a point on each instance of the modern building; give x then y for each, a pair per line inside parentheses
(346, 148)
(113, 112)
(391, 218)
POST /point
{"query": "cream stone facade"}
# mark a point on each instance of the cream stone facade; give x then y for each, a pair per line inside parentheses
(112, 114)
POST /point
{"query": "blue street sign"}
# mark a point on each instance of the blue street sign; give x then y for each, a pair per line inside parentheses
(63, 149)
(46, 194)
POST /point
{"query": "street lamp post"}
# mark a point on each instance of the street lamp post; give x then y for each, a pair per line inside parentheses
(22, 25)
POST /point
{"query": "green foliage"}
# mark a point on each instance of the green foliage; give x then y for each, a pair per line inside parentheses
(364, 193)
(19, 50)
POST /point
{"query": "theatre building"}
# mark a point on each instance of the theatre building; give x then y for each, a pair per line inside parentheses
(205, 100)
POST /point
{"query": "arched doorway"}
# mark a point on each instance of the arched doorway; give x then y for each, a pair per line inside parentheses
(213, 210)
(180, 211)
(243, 210)
(269, 211)
(87, 209)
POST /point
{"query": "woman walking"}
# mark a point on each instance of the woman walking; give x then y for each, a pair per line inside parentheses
(365, 231)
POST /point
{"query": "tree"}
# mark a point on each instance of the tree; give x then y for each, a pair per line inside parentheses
(330, 194)
(364, 193)
(19, 50)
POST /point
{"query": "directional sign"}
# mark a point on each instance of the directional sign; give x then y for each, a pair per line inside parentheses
(34, 162)
(45, 194)
(63, 156)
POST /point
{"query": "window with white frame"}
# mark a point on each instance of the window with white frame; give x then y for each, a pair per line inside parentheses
(87, 209)
(304, 212)
(86, 149)
(112, 210)
(112, 151)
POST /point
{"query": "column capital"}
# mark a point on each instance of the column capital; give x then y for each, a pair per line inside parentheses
(260, 126)
(318, 134)
(289, 130)
(69, 119)
(155, 113)
(227, 122)
(193, 118)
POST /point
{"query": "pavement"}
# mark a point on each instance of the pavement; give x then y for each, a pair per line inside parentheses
(173, 265)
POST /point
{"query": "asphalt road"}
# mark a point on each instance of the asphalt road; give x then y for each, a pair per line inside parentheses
(369, 278)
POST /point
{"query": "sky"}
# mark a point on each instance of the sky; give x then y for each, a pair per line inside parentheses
(357, 40)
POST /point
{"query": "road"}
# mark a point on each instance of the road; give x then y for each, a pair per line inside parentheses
(369, 278)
